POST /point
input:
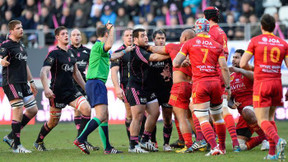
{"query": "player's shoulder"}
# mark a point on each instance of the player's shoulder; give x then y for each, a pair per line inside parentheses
(85, 48)
(6, 43)
(53, 52)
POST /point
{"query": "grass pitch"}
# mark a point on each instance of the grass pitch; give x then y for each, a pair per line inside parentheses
(60, 145)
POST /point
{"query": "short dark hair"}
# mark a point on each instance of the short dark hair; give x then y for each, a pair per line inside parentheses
(59, 29)
(137, 31)
(159, 31)
(13, 23)
(241, 51)
(126, 30)
(101, 31)
(212, 13)
(268, 23)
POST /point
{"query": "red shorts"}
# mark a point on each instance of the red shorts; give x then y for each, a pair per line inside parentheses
(267, 93)
(207, 90)
(241, 123)
(244, 103)
(180, 95)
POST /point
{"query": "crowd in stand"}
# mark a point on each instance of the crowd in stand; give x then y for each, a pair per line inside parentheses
(49, 14)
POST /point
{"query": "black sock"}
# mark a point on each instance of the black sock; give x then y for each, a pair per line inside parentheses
(146, 136)
(153, 135)
(77, 122)
(127, 124)
(24, 122)
(142, 126)
(16, 129)
(90, 127)
(83, 121)
(167, 130)
(133, 141)
(43, 132)
(104, 134)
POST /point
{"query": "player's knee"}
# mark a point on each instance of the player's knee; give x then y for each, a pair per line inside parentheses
(17, 104)
(242, 144)
(249, 115)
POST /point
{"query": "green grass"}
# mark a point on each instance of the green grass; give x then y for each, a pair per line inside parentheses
(60, 143)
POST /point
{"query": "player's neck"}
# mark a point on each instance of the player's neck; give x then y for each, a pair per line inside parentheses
(13, 38)
(102, 39)
(62, 46)
(212, 23)
(76, 46)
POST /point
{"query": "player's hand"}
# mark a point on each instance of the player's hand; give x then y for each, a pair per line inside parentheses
(129, 48)
(119, 93)
(227, 94)
(4, 62)
(109, 25)
(233, 69)
(186, 63)
(49, 93)
(235, 105)
(286, 96)
(33, 88)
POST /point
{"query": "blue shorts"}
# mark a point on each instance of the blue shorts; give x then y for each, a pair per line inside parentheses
(96, 92)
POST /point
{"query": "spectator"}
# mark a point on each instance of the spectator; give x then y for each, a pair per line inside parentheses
(193, 4)
(84, 5)
(80, 19)
(3, 8)
(48, 4)
(162, 15)
(255, 29)
(108, 15)
(14, 7)
(230, 28)
(28, 20)
(97, 5)
(247, 9)
(99, 23)
(114, 5)
(57, 10)
(69, 4)
(45, 18)
(8, 17)
(133, 9)
(173, 32)
(3, 33)
(122, 18)
(146, 8)
(131, 24)
(160, 23)
(190, 21)
(67, 19)
(150, 19)
(239, 31)
(30, 5)
(187, 13)
(96, 17)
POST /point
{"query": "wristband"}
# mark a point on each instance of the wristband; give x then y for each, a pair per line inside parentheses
(31, 81)
(124, 52)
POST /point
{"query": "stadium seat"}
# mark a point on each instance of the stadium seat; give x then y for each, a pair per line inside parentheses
(272, 3)
(270, 10)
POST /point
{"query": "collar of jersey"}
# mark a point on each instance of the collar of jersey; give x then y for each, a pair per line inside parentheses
(98, 40)
(203, 35)
(269, 34)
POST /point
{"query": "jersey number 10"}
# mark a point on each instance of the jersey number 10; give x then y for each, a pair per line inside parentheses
(272, 57)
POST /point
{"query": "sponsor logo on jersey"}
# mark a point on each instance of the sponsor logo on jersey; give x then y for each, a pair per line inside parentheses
(67, 68)
(82, 63)
(85, 51)
(21, 56)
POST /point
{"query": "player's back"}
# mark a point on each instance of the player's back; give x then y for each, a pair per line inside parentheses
(219, 36)
(203, 54)
(269, 51)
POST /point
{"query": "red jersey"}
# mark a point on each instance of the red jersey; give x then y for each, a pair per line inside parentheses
(172, 49)
(241, 88)
(203, 54)
(219, 36)
(269, 51)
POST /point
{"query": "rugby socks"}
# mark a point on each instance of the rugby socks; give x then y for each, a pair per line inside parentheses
(221, 132)
(24, 122)
(16, 128)
(258, 130)
(272, 146)
(146, 136)
(83, 121)
(188, 139)
(133, 141)
(77, 122)
(180, 137)
(127, 124)
(253, 142)
(167, 130)
(103, 131)
(269, 128)
(208, 133)
(43, 132)
(90, 127)
(153, 135)
(199, 134)
(230, 125)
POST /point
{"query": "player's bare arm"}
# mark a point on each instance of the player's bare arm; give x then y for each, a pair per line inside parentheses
(44, 79)
(179, 59)
(226, 74)
(119, 54)
(78, 77)
(157, 49)
(115, 81)
(244, 62)
(247, 73)
(110, 39)
(31, 81)
(158, 57)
